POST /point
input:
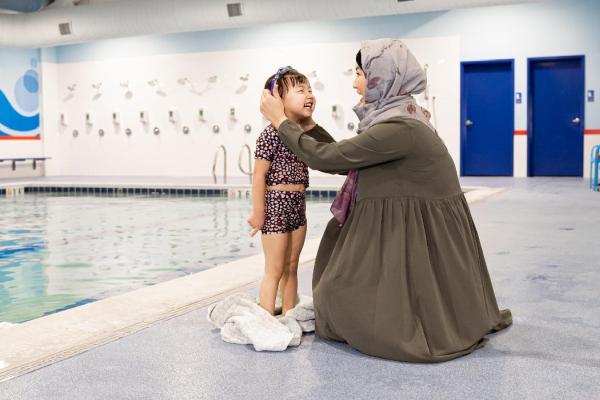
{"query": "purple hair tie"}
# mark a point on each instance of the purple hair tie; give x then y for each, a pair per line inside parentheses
(280, 72)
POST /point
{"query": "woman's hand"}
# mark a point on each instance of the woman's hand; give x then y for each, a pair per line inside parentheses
(271, 106)
(256, 222)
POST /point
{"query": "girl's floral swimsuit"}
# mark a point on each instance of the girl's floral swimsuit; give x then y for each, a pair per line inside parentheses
(285, 211)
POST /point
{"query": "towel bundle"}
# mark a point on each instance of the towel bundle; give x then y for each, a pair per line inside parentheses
(243, 321)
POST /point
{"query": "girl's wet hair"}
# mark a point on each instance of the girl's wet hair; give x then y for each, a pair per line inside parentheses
(359, 60)
(287, 81)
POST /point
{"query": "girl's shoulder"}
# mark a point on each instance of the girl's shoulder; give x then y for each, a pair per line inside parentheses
(270, 130)
(269, 133)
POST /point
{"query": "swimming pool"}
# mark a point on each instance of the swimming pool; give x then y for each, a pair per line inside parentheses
(58, 251)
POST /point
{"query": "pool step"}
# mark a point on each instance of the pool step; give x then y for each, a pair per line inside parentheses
(11, 191)
(239, 193)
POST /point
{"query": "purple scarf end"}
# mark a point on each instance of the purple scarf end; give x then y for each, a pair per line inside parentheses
(345, 199)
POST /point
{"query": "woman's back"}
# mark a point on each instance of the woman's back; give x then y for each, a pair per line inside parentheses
(426, 170)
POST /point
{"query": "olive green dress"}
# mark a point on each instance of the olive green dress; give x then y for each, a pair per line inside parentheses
(405, 277)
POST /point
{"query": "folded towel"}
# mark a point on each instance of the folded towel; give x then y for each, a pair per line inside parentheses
(243, 321)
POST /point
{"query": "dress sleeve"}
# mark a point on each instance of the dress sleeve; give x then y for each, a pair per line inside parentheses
(381, 143)
(321, 135)
(265, 144)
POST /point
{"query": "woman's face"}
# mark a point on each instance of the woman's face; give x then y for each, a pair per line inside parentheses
(360, 83)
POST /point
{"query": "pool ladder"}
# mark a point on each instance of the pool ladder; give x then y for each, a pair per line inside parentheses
(214, 166)
(249, 151)
(12, 191)
(247, 172)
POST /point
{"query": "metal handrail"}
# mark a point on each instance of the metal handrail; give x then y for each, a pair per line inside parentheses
(214, 166)
(249, 172)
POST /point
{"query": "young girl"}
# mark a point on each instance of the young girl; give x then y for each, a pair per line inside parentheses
(278, 185)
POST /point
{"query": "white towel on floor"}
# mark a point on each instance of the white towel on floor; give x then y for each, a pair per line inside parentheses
(242, 321)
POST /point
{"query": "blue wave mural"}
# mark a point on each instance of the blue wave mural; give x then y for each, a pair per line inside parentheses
(12, 119)
(26, 94)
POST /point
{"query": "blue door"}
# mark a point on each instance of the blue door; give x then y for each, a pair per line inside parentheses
(556, 114)
(487, 118)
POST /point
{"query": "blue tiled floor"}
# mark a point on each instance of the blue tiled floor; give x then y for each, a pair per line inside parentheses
(541, 243)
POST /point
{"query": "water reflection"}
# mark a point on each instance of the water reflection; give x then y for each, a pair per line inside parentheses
(61, 251)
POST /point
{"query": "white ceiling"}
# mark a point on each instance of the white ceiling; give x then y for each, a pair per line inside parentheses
(403, 6)
(103, 19)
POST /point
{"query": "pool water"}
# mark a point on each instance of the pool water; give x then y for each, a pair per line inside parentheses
(57, 251)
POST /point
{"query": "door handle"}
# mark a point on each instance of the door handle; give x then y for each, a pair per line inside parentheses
(468, 122)
(576, 120)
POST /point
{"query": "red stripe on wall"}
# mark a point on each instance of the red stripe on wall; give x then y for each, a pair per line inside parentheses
(586, 132)
(20, 138)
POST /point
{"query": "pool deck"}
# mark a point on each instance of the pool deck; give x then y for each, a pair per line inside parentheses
(540, 237)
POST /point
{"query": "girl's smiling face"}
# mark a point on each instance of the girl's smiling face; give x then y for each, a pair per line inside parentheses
(360, 83)
(299, 102)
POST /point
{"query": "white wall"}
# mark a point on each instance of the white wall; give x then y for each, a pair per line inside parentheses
(174, 154)
(549, 28)
(50, 109)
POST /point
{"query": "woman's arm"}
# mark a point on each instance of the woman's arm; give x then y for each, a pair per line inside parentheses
(321, 135)
(382, 143)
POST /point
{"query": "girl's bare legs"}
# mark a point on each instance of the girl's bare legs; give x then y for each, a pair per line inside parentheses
(284, 276)
(275, 249)
(290, 280)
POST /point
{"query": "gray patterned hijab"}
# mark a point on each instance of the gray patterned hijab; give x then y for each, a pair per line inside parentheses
(393, 75)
